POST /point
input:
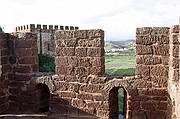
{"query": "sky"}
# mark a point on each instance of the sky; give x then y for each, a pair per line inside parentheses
(118, 18)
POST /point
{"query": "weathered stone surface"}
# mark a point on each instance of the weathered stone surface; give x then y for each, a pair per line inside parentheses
(85, 96)
(95, 52)
(143, 49)
(78, 103)
(159, 71)
(61, 61)
(143, 70)
(81, 52)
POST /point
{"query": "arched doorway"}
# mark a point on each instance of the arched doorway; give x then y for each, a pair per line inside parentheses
(42, 98)
(117, 103)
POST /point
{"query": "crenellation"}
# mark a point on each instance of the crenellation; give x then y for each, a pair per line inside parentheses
(56, 27)
(50, 27)
(66, 27)
(80, 88)
(44, 26)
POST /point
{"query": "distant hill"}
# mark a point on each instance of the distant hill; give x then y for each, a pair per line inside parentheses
(119, 44)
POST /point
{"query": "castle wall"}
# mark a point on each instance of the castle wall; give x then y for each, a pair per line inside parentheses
(173, 82)
(79, 89)
(4, 68)
(19, 59)
(80, 67)
(77, 52)
(152, 67)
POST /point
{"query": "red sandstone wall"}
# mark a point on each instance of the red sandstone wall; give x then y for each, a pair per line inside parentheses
(173, 82)
(152, 66)
(78, 89)
(79, 63)
(19, 60)
(4, 68)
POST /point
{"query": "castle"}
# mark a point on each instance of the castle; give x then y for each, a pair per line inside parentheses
(45, 35)
(79, 88)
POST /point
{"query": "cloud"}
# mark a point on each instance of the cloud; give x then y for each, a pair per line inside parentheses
(119, 18)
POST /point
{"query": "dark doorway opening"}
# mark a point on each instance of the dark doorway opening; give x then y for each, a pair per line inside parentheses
(117, 103)
(42, 98)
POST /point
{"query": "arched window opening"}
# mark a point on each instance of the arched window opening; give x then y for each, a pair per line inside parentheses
(42, 98)
(117, 103)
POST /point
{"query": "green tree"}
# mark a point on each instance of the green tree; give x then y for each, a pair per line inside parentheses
(1, 29)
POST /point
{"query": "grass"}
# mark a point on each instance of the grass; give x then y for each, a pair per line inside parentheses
(120, 65)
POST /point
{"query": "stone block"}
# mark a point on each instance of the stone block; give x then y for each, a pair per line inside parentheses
(82, 42)
(156, 114)
(85, 96)
(72, 61)
(162, 105)
(70, 70)
(98, 61)
(96, 42)
(159, 98)
(159, 81)
(78, 103)
(35, 67)
(142, 70)
(98, 71)
(148, 105)
(98, 33)
(92, 88)
(64, 51)
(143, 39)
(174, 29)
(81, 71)
(24, 43)
(162, 50)
(61, 70)
(81, 52)
(165, 60)
(71, 78)
(74, 87)
(61, 61)
(175, 63)
(97, 80)
(135, 105)
(143, 49)
(174, 39)
(22, 69)
(25, 60)
(99, 98)
(144, 30)
(175, 51)
(103, 113)
(148, 60)
(139, 98)
(159, 71)
(160, 30)
(62, 86)
(23, 52)
(154, 92)
(62, 34)
(139, 115)
(85, 62)
(67, 94)
(66, 42)
(82, 34)
(95, 52)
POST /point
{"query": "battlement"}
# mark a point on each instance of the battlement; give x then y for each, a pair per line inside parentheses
(43, 28)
